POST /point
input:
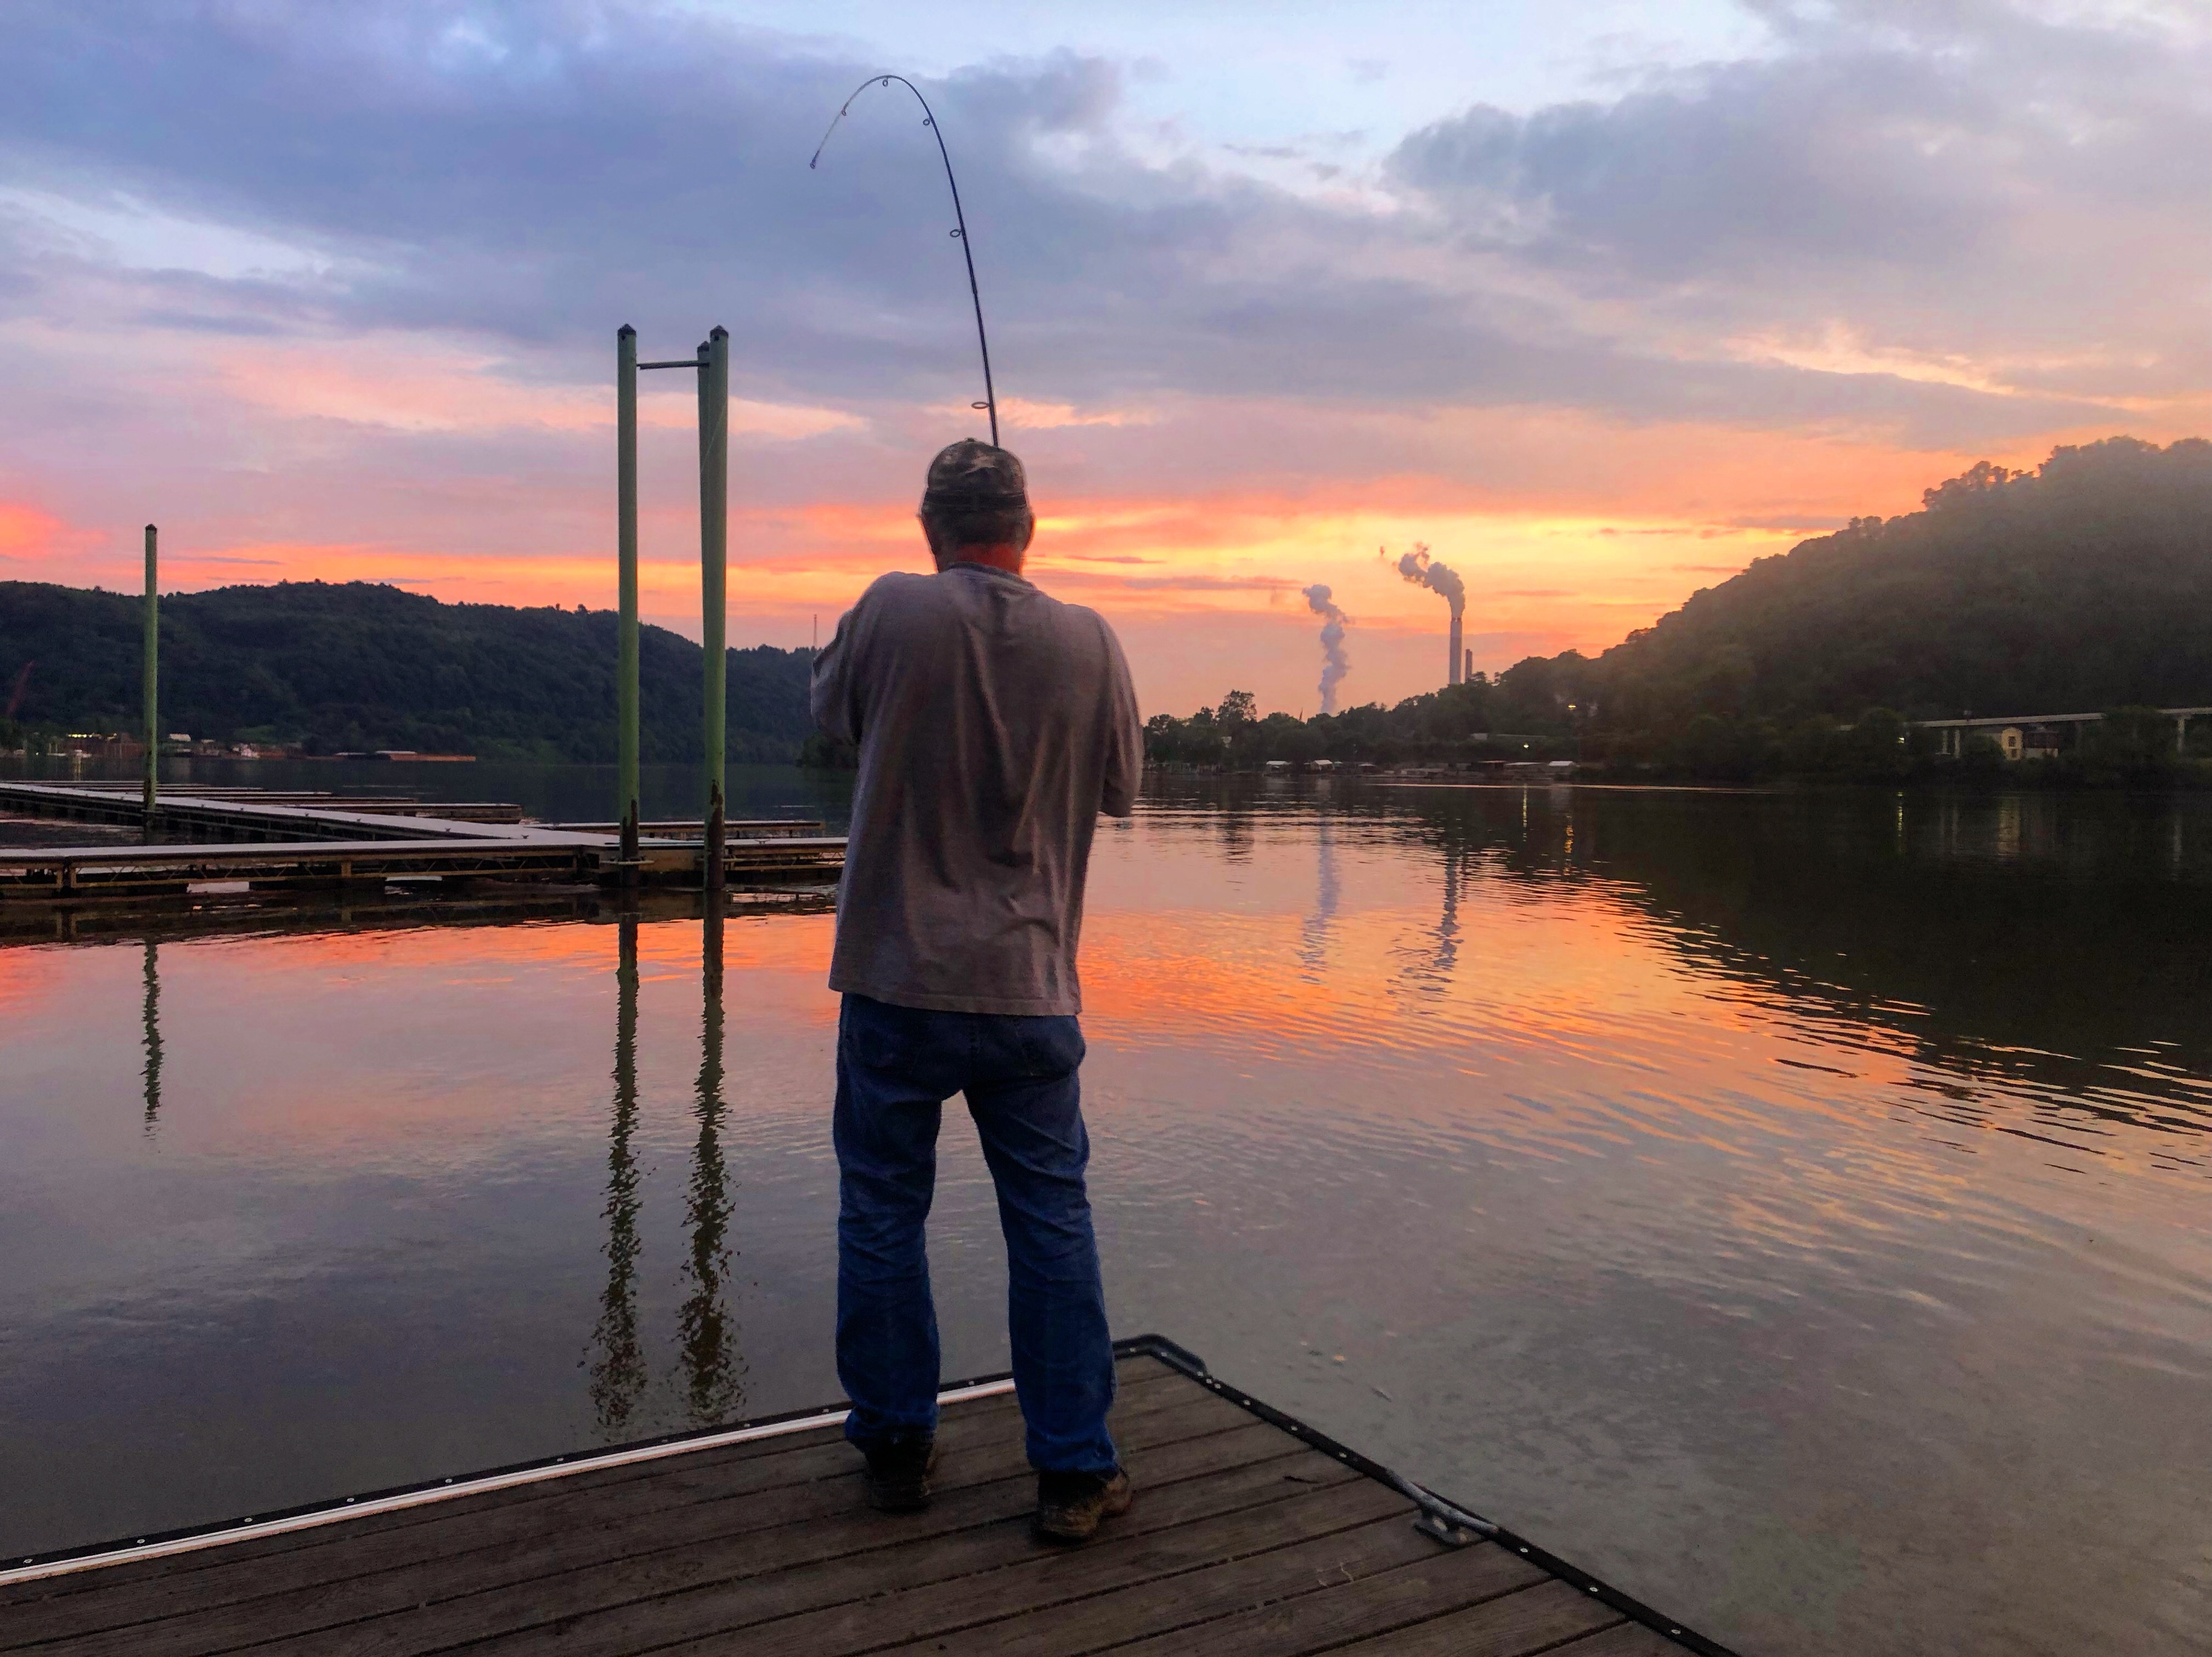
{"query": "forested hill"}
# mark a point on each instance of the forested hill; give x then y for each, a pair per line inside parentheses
(359, 666)
(2085, 584)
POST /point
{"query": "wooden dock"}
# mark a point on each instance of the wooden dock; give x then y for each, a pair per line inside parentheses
(410, 906)
(227, 838)
(117, 804)
(690, 828)
(1251, 1534)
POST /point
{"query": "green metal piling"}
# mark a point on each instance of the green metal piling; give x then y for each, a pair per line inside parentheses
(626, 628)
(713, 574)
(150, 680)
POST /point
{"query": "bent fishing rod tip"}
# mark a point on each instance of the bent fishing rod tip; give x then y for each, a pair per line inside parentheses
(959, 232)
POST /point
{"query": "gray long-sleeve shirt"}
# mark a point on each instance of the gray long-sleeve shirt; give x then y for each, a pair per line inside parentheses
(994, 724)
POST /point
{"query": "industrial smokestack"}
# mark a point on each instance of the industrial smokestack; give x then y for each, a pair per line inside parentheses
(1334, 663)
(1424, 571)
(1468, 677)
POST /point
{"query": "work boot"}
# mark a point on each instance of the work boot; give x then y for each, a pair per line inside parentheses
(1069, 1505)
(897, 1475)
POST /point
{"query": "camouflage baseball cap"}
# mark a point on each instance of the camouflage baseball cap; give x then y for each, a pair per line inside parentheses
(973, 475)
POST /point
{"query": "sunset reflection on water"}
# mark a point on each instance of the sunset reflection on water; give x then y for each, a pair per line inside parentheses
(1771, 1204)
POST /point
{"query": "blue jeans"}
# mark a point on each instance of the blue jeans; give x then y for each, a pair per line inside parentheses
(896, 1068)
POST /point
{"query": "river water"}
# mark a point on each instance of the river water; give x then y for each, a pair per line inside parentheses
(1795, 1209)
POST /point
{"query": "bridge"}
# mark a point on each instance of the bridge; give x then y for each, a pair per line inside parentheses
(1953, 732)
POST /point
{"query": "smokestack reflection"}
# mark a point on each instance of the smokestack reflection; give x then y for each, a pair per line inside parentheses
(1429, 971)
(1447, 958)
(1312, 936)
(706, 1331)
(618, 1371)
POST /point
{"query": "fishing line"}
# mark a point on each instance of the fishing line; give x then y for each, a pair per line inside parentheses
(960, 232)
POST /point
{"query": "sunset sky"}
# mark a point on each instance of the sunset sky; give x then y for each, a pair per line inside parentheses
(1601, 301)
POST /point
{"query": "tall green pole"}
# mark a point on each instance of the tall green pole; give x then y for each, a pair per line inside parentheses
(150, 680)
(626, 628)
(714, 577)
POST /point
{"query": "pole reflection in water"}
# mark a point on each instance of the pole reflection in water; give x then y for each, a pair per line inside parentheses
(618, 1368)
(153, 1022)
(713, 1379)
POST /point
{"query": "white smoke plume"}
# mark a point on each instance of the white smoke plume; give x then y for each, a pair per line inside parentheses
(1334, 662)
(1424, 571)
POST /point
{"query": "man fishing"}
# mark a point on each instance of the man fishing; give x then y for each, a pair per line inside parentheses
(994, 724)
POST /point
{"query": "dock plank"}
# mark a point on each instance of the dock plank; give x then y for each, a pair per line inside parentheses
(601, 1532)
(1629, 1640)
(1248, 1536)
(1357, 1605)
(1542, 1617)
(1002, 1572)
(648, 1603)
(1202, 1596)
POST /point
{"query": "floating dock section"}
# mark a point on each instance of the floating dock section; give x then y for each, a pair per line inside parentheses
(199, 841)
(1251, 1534)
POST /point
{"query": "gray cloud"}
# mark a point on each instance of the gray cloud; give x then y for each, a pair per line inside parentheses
(1958, 181)
(1965, 179)
(534, 171)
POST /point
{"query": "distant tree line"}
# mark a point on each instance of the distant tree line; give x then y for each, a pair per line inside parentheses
(357, 666)
(1511, 718)
(1451, 727)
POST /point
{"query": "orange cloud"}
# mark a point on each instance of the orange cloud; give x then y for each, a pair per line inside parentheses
(29, 532)
(1569, 529)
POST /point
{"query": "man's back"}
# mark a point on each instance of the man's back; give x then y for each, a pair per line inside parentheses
(994, 724)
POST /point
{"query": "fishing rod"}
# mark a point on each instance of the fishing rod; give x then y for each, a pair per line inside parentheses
(960, 233)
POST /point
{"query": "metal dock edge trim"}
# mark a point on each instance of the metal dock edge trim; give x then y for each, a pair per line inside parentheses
(197, 1537)
(1436, 1510)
